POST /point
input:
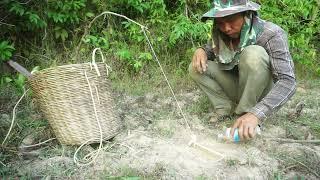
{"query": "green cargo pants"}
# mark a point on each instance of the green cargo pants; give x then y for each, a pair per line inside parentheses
(240, 89)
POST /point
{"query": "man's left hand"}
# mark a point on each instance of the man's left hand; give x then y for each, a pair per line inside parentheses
(246, 125)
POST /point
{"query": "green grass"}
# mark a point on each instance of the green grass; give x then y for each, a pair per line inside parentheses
(202, 178)
(150, 82)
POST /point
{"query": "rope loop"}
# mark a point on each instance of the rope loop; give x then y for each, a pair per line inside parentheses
(92, 158)
(94, 64)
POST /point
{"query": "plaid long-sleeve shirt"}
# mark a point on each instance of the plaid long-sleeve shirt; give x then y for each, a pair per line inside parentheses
(274, 40)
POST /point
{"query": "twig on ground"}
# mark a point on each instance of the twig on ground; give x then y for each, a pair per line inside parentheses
(8, 149)
(3, 164)
(39, 144)
(4, 18)
(296, 161)
(310, 170)
(21, 57)
(2, 23)
(295, 141)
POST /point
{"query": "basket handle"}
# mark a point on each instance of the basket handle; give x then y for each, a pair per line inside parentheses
(94, 64)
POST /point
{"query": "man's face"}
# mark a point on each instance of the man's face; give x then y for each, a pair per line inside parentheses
(230, 25)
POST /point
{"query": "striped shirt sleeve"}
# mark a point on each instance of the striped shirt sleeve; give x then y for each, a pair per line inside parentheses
(276, 45)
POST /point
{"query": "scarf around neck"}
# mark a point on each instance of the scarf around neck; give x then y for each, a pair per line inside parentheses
(251, 29)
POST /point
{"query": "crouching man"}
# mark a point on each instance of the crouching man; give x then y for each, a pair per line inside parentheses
(246, 68)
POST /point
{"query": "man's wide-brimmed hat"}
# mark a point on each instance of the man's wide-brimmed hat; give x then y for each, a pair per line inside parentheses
(222, 8)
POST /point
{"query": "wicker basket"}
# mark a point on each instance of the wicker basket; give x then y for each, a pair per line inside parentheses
(77, 101)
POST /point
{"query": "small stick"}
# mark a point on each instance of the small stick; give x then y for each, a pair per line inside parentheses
(310, 170)
(295, 141)
(34, 145)
(19, 68)
(2, 23)
(3, 164)
(193, 142)
(207, 149)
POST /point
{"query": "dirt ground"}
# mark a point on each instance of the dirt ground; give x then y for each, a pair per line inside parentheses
(153, 144)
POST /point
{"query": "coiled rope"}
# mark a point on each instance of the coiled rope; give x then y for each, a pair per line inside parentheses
(90, 158)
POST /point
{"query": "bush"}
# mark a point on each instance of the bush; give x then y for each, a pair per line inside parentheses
(300, 20)
(56, 27)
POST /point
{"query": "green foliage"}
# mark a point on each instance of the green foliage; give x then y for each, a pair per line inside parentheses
(6, 51)
(59, 16)
(66, 14)
(302, 25)
(5, 79)
(186, 29)
(16, 81)
(60, 33)
(19, 82)
(135, 60)
(30, 18)
(134, 32)
(174, 25)
(97, 41)
(17, 8)
(66, 11)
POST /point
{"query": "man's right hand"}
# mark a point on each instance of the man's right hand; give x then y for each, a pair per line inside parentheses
(199, 61)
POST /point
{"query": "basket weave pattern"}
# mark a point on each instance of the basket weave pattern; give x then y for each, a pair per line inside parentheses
(65, 98)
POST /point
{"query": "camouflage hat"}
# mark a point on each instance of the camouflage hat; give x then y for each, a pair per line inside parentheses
(222, 8)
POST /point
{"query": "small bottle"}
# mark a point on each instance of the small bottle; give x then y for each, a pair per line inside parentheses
(226, 136)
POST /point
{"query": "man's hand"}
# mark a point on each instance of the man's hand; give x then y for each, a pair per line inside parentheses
(199, 60)
(246, 125)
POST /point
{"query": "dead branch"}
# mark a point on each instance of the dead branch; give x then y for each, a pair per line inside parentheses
(294, 141)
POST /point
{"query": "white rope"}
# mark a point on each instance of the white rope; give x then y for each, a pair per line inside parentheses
(12, 122)
(144, 29)
(94, 60)
(91, 157)
(112, 145)
(193, 141)
(14, 116)
(168, 83)
(96, 152)
(34, 145)
(94, 64)
(3, 164)
(116, 14)
(75, 158)
(192, 135)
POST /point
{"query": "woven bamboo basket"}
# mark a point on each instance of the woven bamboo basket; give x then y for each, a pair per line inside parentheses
(77, 101)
